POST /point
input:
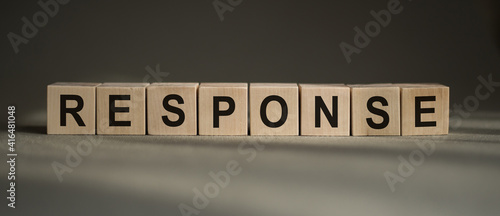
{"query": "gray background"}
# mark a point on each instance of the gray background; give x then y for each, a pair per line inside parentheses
(449, 42)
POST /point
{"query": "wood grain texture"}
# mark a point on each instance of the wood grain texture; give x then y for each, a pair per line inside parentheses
(131, 96)
(289, 92)
(235, 123)
(185, 95)
(424, 109)
(308, 109)
(87, 92)
(361, 115)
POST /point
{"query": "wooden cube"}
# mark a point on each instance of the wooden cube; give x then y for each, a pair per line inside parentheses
(325, 109)
(121, 108)
(223, 109)
(274, 109)
(172, 108)
(375, 110)
(424, 109)
(71, 108)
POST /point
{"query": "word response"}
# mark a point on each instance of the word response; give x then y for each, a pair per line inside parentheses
(242, 109)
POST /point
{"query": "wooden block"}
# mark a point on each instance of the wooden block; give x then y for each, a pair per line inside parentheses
(172, 108)
(274, 109)
(121, 108)
(375, 110)
(71, 108)
(223, 109)
(424, 109)
(324, 109)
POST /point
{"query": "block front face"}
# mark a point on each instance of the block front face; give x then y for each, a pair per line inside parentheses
(172, 108)
(274, 109)
(71, 108)
(325, 109)
(121, 108)
(223, 109)
(424, 109)
(375, 110)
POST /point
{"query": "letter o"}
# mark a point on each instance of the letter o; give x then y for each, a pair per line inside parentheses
(87, 145)
(36, 19)
(284, 111)
(421, 158)
(207, 192)
(369, 26)
(467, 103)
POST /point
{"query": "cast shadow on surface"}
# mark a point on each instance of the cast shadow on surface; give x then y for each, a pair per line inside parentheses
(33, 129)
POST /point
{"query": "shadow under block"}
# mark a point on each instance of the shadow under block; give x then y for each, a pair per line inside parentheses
(324, 109)
(71, 108)
(223, 109)
(172, 108)
(424, 109)
(375, 110)
(274, 109)
(121, 108)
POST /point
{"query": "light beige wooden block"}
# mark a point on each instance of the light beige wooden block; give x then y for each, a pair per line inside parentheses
(223, 109)
(325, 109)
(274, 109)
(121, 108)
(172, 108)
(375, 110)
(71, 108)
(424, 109)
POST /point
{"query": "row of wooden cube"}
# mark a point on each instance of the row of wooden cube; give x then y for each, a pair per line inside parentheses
(226, 108)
